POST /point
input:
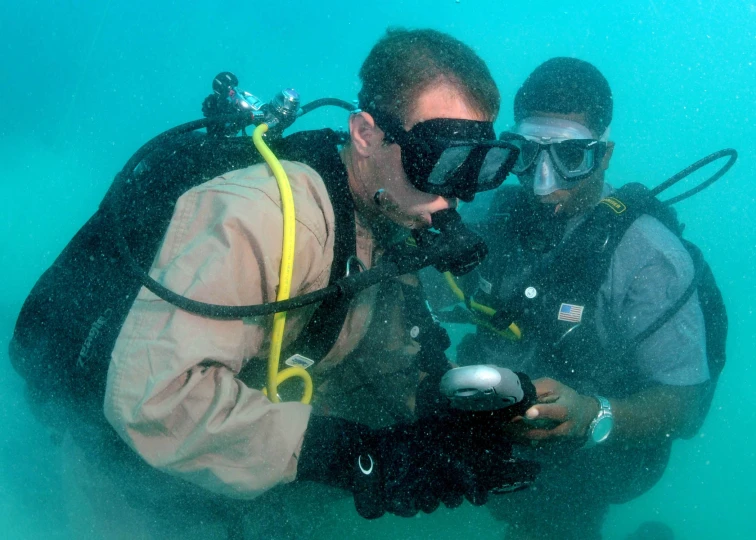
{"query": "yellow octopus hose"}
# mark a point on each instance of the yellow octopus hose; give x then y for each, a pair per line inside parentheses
(274, 377)
(513, 332)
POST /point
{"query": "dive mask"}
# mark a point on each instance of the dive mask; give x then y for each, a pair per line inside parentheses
(554, 153)
(450, 157)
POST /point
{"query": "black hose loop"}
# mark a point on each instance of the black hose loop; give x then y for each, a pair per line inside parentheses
(687, 171)
(335, 102)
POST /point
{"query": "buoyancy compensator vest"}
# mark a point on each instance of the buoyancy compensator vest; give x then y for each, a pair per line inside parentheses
(550, 287)
(69, 323)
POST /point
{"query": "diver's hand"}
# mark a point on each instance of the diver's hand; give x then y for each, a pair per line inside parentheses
(408, 468)
(560, 414)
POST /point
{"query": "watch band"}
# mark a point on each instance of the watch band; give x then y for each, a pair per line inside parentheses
(604, 407)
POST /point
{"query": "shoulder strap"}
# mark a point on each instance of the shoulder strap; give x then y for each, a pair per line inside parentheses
(616, 214)
(319, 150)
(590, 247)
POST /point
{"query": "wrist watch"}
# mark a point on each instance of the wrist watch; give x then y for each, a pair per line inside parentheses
(600, 427)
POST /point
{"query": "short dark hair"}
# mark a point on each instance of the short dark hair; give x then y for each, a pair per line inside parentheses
(567, 86)
(404, 63)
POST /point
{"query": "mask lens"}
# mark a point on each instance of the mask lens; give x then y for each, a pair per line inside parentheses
(491, 169)
(573, 156)
(449, 162)
(528, 151)
(463, 170)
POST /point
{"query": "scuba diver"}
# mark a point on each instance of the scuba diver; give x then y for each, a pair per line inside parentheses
(593, 292)
(149, 335)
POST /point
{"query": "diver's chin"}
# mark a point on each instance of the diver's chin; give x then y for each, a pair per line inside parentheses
(553, 207)
(420, 220)
(549, 210)
(401, 211)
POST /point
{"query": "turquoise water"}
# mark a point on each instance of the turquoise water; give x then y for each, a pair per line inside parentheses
(85, 83)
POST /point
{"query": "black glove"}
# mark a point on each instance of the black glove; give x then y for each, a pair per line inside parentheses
(406, 468)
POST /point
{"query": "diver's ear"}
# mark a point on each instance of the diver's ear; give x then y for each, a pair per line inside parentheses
(607, 155)
(366, 136)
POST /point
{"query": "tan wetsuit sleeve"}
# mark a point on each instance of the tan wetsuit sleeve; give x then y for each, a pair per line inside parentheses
(173, 392)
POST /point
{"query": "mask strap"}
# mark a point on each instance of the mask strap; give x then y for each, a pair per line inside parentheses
(390, 125)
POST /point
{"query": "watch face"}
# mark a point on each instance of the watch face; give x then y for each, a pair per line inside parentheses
(602, 429)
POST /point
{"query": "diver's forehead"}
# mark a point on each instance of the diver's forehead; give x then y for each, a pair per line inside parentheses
(442, 101)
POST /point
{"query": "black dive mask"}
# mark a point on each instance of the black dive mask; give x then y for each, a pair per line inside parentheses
(450, 157)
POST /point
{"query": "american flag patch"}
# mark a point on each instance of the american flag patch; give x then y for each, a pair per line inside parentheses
(570, 313)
